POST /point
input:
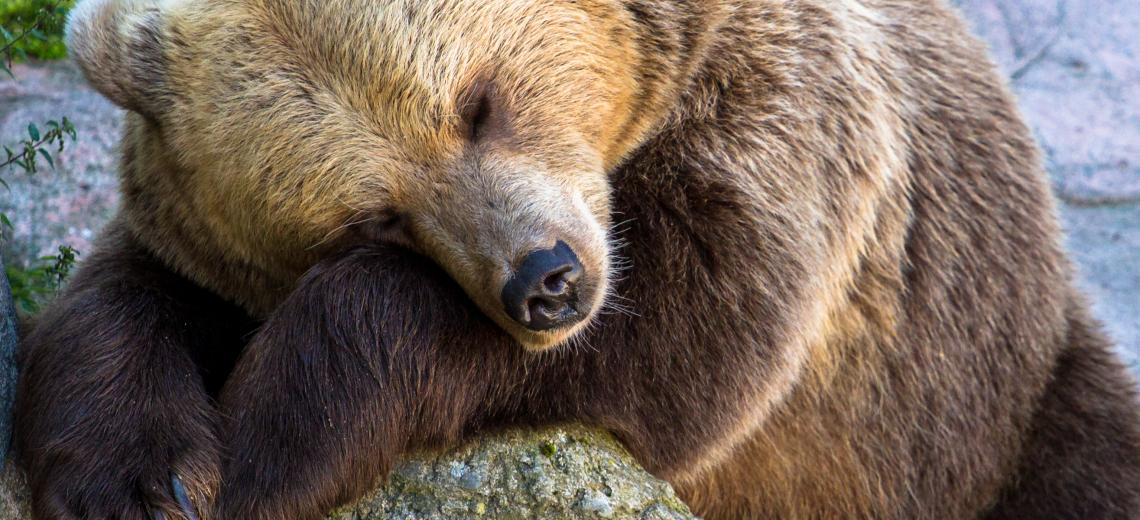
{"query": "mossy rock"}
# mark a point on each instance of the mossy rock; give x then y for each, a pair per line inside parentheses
(555, 473)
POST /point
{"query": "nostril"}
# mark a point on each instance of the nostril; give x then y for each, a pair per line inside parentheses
(547, 313)
(557, 283)
(542, 308)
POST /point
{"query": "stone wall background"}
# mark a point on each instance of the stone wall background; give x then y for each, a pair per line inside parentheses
(8, 337)
(1075, 65)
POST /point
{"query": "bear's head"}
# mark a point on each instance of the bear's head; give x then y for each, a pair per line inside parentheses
(477, 133)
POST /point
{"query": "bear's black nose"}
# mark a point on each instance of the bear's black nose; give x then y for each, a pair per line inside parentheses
(543, 292)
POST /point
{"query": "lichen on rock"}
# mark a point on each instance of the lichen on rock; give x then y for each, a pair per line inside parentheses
(554, 473)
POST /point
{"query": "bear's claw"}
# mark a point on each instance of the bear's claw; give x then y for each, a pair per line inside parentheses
(182, 498)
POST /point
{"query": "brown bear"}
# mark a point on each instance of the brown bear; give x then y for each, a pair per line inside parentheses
(798, 255)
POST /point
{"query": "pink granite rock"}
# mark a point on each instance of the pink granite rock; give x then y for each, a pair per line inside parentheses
(1077, 75)
(68, 204)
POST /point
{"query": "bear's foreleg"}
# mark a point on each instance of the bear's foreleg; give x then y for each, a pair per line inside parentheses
(376, 352)
(112, 403)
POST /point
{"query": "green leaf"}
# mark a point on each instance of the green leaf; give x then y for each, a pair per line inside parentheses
(46, 155)
(33, 131)
(5, 222)
(68, 127)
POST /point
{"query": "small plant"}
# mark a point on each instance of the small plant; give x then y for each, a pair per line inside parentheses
(34, 285)
(31, 150)
(33, 28)
(39, 144)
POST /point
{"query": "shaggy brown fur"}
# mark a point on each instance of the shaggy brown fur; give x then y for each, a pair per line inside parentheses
(844, 298)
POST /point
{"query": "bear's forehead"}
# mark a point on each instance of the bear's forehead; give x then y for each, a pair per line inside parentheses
(399, 52)
(412, 25)
(378, 58)
(393, 71)
(419, 48)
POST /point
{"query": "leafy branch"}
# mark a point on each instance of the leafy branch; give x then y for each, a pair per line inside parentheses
(31, 149)
(31, 286)
(37, 145)
(34, 283)
(53, 13)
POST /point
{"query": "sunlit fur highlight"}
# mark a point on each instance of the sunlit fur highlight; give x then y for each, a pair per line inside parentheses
(325, 129)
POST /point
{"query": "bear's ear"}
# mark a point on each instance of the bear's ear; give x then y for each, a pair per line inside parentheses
(119, 45)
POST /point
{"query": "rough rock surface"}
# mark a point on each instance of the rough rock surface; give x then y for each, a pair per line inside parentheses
(1104, 241)
(68, 204)
(550, 474)
(14, 496)
(565, 472)
(7, 359)
(1075, 66)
